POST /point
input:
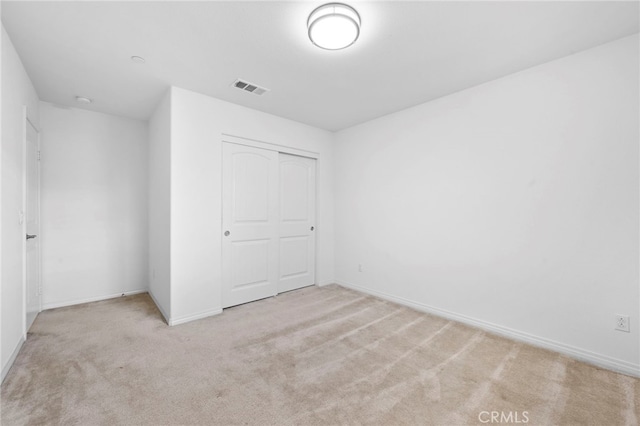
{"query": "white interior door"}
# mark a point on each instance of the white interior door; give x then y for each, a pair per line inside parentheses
(249, 224)
(33, 299)
(297, 222)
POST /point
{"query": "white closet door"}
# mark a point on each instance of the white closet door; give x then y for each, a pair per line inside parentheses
(297, 222)
(250, 224)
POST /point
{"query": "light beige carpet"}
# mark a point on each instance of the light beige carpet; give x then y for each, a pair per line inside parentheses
(312, 356)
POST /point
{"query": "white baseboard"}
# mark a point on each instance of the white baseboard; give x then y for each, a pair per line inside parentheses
(596, 359)
(14, 355)
(162, 312)
(324, 283)
(54, 305)
(189, 318)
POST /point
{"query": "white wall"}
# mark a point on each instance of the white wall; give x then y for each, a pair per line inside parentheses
(17, 92)
(160, 206)
(197, 124)
(93, 205)
(512, 205)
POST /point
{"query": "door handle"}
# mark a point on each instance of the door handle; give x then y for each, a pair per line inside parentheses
(227, 233)
(29, 236)
(312, 228)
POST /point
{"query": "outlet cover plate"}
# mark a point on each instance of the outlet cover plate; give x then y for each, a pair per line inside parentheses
(622, 323)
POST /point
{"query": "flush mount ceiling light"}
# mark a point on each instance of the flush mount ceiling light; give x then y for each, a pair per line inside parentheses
(138, 59)
(334, 26)
(83, 100)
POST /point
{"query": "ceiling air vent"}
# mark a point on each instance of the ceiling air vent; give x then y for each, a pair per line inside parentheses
(250, 87)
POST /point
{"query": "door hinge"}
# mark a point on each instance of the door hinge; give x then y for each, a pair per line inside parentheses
(38, 155)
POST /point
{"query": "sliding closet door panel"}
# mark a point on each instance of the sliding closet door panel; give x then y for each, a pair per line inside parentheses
(250, 223)
(297, 222)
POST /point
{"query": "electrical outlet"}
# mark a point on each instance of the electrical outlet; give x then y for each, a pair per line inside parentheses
(622, 323)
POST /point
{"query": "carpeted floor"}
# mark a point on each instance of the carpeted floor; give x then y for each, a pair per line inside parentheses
(309, 357)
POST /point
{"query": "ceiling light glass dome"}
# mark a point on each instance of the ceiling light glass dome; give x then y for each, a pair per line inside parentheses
(334, 26)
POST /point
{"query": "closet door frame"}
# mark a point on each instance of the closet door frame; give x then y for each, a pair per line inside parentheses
(270, 146)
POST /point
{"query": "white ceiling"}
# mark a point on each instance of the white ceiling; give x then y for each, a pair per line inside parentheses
(408, 52)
